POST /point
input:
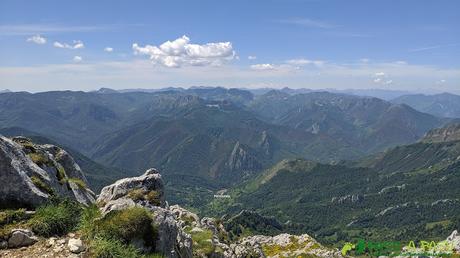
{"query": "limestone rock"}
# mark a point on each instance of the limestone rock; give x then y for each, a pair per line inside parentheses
(21, 237)
(75, 245)
(136, 188)
(30, 173)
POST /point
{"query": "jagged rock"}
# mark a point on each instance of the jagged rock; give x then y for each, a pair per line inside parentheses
(30, 173)
(137, 189)
(184, 216)
(454, 238)
(118, 204)
(21, 237)
(75, 245)
(242, 159)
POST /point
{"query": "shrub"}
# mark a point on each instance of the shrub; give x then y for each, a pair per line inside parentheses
(78, 182)
(56, 218)
(38, 182)
(125, 225)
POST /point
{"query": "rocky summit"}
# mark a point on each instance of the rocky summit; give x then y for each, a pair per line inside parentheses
(32, 173)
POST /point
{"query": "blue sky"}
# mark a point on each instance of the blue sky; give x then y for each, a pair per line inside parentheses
(56, 45)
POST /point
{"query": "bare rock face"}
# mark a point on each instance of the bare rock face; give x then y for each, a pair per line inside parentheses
(446, 134)
(31, 173)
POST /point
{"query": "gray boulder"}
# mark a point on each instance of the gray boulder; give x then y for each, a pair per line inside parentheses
(147, 189)
(31, 173)
(21, 237)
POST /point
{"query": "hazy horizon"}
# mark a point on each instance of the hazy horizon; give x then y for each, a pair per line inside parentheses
(388, 45)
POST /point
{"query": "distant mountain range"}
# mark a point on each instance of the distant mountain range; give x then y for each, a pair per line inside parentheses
(442, 105)
(205, 139)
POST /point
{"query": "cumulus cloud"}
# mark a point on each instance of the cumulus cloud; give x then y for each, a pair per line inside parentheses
(382, 78)
(252, 57)
(180, 52)
(262, 67)
(37, 39)
(108, 49)
(77, 59)
(77, 44)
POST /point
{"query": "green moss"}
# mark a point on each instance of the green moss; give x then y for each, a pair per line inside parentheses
(38, 182)
(56, 218)
(143, 195)
(80, 183)
(126, 225)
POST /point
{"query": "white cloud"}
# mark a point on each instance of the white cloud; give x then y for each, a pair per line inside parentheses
(37, 39)
(77, 44)
(252, 57)
(108, 49)
(77, 59)
(301, 62)
(379, 74)
(262, 67)
(180, 52)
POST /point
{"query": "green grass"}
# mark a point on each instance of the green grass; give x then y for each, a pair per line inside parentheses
(38, 182)
(60, 173)
(38, 158)
(202, 242)
(87, 221)
(56, 218)
(80, 183)
(126, 225)
(12, 216)
(151, 196)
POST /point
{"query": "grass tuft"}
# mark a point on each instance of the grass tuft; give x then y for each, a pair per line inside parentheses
(38, 182)
(56, 218)
(80, 183)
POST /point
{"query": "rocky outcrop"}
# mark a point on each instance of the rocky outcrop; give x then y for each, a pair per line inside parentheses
(445, 134)
(31, 173)
(147, 191)
(241, 159)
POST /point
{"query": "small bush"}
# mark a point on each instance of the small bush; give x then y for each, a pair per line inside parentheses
(125, 225)
(78, 182)
(38, 182)
(56, 218)
(12, 216)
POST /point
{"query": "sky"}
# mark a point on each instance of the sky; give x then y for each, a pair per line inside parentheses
(85, 45)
